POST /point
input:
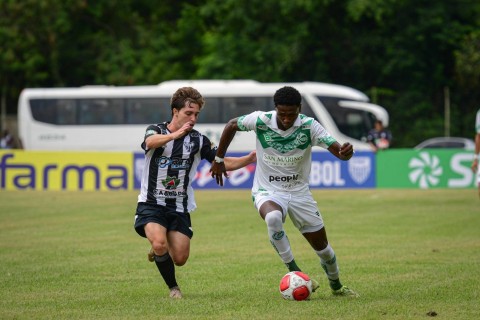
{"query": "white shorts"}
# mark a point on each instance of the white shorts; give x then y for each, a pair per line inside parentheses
(301, 209)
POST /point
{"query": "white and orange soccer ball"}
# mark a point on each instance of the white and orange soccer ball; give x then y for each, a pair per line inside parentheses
(296, 286)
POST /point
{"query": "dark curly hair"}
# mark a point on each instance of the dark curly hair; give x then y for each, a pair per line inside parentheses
(287, 96)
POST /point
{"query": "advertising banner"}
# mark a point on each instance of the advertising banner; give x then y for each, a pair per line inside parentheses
(73, 171)
(425, 169)
(327, 172)
(102, 171)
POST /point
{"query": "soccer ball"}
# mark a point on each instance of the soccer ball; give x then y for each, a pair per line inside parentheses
(296, 286)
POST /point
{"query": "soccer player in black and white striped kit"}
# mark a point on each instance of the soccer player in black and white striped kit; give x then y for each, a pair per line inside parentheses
(173, 151)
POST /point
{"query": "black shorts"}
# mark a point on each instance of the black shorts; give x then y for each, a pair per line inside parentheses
(165, 216)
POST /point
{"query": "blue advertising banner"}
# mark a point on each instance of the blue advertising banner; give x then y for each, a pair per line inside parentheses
(327, 172)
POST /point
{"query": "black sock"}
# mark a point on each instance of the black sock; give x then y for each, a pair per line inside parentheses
(167, 269)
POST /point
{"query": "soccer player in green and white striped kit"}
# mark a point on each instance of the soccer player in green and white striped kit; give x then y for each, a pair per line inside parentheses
(284, 141)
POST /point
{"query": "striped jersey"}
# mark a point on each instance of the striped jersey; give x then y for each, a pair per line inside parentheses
(284, 158)
(169, 170)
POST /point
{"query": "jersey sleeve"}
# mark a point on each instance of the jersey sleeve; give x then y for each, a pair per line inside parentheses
(249, 121)
(320, 136)
(150, 131)
(208, 150)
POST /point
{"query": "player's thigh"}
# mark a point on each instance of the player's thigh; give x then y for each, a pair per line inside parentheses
(304, 213)
(267, 202)
(156, 233)
(179, 247)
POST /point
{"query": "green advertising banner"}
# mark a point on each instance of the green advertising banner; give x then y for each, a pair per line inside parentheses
(425, 169)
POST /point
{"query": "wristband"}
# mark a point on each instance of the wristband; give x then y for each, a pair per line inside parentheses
(475, 156)
(218, 159)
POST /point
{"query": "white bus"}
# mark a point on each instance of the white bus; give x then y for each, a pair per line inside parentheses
(109, 118)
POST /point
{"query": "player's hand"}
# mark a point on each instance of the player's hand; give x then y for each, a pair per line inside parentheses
(252, 156)
(346, 151)
(218, 172)
(186, 128)
(475, 165)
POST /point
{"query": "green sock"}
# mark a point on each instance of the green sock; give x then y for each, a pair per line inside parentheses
(292, 266)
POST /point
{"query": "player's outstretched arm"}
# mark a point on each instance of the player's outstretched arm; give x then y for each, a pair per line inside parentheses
(342, 152)
(234, 163)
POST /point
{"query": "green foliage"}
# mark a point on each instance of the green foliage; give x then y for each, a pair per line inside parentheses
(408, 48)
(75, 255)
(467, 58)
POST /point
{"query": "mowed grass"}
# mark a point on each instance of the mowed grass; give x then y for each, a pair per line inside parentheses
(410, 254)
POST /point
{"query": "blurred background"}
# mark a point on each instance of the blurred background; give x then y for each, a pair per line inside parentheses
(419, 59)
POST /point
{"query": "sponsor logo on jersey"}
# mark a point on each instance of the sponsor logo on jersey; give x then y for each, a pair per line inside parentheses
(170, 182)
(174, 163)
(169, 194)
(282, 161)
(283, 178)
(262, 127)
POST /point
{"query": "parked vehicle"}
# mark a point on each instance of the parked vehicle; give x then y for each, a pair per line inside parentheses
(114, 118)
(447, 142)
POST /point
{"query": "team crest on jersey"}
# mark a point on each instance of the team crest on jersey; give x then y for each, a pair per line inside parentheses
(189, 145)
(301, 138)
(170, 182)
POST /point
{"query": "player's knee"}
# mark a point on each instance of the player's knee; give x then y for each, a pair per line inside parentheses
(180, 259)
(159, 247)
(274, 220)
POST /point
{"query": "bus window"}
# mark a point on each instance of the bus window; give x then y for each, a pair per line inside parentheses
(352, 122)
(221, 110)
(44, 110)
(53, 111)
(211, 111)
(66, 112)
(147, 111)
(101, 111)
(239, 106)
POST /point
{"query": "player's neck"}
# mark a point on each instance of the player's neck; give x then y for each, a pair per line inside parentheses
(172, 127)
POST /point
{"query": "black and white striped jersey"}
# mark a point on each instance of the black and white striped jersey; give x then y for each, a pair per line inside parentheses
(169, 170)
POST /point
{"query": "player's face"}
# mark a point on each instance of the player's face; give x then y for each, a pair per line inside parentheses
(286, 116)
(189, 113)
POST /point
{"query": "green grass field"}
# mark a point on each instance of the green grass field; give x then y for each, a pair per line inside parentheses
(75, 255)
